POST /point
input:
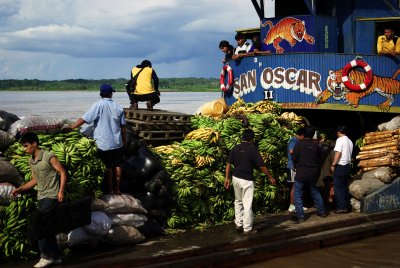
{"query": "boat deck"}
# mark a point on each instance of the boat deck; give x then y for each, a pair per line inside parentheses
(222, 246)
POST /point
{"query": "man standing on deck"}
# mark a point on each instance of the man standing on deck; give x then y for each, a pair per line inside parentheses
(291, 173)
(307, 160)
(341, 170)
(109, 134)
(244, 157)
(50, 179)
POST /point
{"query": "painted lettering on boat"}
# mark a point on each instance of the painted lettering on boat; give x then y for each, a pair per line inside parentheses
(305, 81)
(246, 83)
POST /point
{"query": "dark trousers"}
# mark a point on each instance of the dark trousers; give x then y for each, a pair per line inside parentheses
(48, 246)
(153, 97)
(341, 186)
(298, 195)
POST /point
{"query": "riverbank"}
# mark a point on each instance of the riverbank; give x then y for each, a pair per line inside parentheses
(190, 84)
(222, 246)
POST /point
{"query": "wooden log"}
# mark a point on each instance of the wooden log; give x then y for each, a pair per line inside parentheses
(375, 155)
(392, 150)
(366, 169)
(379, 133)
(376, 162)
(374, 139)
(379, 145)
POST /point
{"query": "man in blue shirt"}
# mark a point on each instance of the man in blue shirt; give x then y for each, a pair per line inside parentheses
(109, 133)
(290, 169)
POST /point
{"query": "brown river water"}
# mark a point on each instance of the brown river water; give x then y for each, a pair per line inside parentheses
(375, 252)
(73, 104)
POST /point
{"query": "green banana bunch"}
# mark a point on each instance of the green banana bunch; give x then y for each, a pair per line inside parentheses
(14, 225)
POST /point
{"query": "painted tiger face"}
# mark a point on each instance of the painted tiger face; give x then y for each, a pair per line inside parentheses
(297, 30)
(335, 85)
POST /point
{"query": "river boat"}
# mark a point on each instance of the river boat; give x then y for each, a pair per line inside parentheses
(323, 62)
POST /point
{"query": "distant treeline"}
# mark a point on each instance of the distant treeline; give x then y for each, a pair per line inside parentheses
(166, 84)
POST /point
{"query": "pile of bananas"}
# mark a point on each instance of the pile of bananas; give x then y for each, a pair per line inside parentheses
(240, 107)
(196, 166)
(78, 155)
(13, 229)
(204, 134)
(292, 117)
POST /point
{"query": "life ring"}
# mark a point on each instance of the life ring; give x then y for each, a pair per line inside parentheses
(226, 69)
(351, 65)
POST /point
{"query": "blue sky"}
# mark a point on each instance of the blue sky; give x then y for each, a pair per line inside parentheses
(95, 39)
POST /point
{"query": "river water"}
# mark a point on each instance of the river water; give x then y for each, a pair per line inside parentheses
(73, 104)
(376, 252)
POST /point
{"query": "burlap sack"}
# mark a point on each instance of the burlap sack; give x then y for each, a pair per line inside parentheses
(123, 234)
(360, 188)
(8, 173)
(383, 174)
(123, 203)
(5, 139)
(130, 219)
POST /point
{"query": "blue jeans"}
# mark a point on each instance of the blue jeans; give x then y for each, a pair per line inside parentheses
(341, 186)
(298, 198)
(48, 246)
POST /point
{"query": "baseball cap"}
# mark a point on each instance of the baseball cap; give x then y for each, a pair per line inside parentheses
(106, 89)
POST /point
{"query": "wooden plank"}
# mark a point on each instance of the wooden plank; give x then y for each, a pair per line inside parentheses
(159, 135)
(156, 115)
(139, 125)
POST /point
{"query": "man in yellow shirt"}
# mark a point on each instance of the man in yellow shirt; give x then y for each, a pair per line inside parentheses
(146, 86)
(388, 44)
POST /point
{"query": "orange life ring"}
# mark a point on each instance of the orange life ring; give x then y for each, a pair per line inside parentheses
(226, 69)
(351, 65)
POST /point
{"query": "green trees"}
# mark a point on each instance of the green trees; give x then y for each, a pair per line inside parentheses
(166, 84)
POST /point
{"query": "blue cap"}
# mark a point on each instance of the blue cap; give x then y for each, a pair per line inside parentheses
(106, 89)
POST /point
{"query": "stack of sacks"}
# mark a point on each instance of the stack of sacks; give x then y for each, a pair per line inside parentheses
(97, 229)
(115, 219)
(126, 214)
(369, 182)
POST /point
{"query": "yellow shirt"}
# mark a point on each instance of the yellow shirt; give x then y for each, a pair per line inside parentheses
(384, 45)
(144, 83)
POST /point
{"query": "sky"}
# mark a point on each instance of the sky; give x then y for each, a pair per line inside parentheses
(104, 39)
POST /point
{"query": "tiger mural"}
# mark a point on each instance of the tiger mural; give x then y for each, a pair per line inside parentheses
(290, 29)
(387, 87)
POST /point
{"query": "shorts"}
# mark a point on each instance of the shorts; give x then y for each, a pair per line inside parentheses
(112, 158)
(291, 174)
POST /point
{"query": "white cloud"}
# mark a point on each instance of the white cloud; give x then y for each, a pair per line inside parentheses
(93, 39)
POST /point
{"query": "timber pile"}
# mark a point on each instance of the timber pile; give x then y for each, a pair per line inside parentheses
(380, 149)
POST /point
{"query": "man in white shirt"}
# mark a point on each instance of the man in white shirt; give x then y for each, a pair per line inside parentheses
(341, 170)
(243, 47)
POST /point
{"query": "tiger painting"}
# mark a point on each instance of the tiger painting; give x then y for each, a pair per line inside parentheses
(385, 86)
(290, 29)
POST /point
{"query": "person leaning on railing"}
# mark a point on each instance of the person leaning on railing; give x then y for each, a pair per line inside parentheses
(388, 44)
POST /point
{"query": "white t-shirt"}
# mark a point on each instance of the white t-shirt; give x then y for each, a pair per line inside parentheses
(345, 146)
(242, 49)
